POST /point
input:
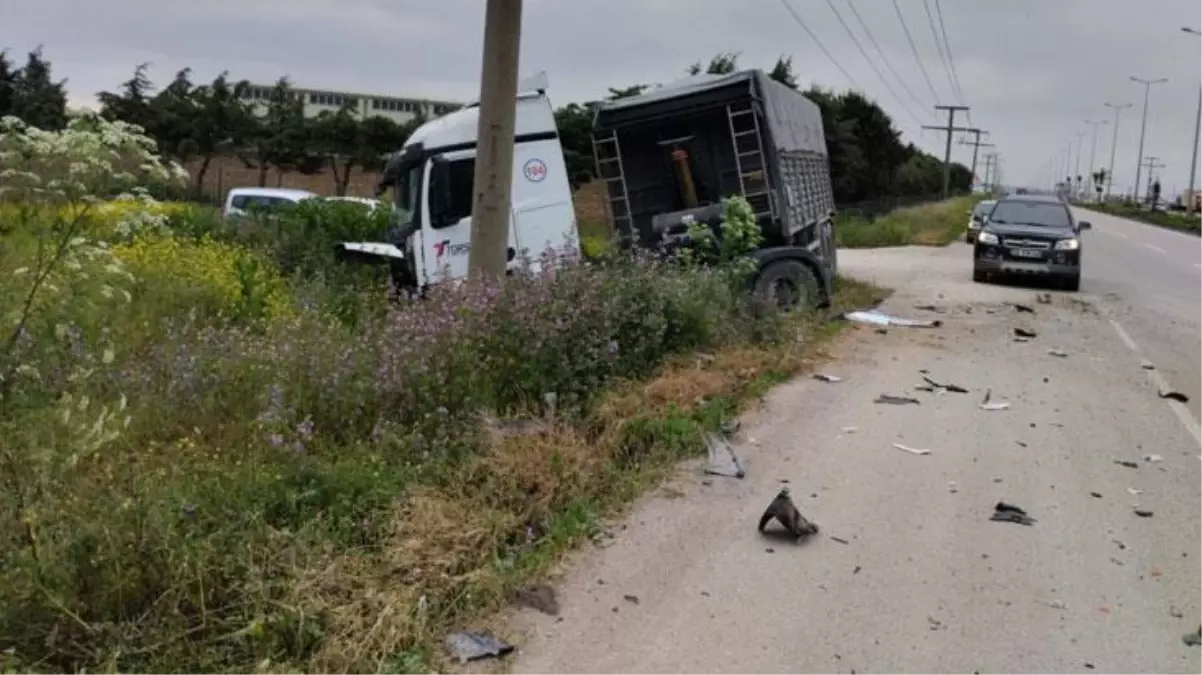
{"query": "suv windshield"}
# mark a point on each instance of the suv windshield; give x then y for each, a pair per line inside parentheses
(982, 209)
(1041, 214)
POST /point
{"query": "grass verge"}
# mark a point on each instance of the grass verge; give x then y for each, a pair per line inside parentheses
(936, 224)
(463, 546)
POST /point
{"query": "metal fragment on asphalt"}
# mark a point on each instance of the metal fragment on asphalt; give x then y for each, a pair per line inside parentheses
(912, 451)
(896, 400)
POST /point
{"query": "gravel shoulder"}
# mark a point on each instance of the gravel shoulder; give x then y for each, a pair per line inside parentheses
(925, 581)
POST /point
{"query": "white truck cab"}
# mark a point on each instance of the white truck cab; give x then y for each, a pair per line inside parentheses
(432, 179)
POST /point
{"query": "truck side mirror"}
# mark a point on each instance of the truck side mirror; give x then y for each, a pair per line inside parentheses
(439, 192)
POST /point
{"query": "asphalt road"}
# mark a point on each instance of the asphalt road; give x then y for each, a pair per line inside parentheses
(925, 581)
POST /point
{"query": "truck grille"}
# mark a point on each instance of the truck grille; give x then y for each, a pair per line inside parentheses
(1020, 242)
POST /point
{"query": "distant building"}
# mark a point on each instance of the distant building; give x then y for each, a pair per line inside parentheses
(316, 101)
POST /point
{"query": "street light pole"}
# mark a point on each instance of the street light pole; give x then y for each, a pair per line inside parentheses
(1143, 129)
(1193, 164)
(1093, 149)
(1077, 166)
(1114, 141)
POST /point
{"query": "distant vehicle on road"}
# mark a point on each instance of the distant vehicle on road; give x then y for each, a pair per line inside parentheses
(240, 201)
(976, 217)
(1030, 235)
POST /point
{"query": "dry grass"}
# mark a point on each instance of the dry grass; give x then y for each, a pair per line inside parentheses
(936, 224)
(456, 552)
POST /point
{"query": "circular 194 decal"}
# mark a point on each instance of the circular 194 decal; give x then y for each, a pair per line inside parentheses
(534, 170)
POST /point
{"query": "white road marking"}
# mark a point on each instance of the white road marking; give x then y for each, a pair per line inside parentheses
(1157, 249)
(1177, 407)
(1120, 235)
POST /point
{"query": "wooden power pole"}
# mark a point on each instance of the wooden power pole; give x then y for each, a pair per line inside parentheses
(494, 148)
(947, 152)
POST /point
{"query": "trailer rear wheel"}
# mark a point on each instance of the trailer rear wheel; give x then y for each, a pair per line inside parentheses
(788, 284)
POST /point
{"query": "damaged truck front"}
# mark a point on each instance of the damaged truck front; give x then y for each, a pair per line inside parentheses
(669, 156)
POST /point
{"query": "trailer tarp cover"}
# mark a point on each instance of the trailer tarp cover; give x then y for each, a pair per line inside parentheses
(794, 121)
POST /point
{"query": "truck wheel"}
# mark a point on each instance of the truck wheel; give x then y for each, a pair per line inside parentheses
(788, 284)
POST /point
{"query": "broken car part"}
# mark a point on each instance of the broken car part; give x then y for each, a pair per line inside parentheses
(1009, 513)
(1024, 333)
(722, 458)
(896, 400)
(784, 511)
(470, 646)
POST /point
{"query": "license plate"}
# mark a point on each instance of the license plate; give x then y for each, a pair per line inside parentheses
(1026, 253)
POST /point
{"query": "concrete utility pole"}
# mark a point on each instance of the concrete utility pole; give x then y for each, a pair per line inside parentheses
(947, 152)
(1114, 142)
(1191, 191)
(1151, 165)
(1093, 150)
(494, 149)
(976, 145)
(1143, 129)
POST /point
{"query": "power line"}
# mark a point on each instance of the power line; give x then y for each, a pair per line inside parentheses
(879, 74)
(947, 45)
(914, 48)
(884, 59)
(818, 42)
(926, 5)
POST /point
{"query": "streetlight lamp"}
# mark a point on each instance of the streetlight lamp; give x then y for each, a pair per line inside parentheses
(1193, 164)
(1143, 130)
(1093, 149)
(1114, 142)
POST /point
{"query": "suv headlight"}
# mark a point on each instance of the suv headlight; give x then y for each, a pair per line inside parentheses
(987, 238)
(1068, 244)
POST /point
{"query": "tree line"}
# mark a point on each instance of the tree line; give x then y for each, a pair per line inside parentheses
(196, 123)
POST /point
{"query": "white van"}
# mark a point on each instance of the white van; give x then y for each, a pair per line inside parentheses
(432, 178)
(241, 200)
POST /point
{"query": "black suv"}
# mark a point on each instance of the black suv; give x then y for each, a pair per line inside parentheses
(1030, 235)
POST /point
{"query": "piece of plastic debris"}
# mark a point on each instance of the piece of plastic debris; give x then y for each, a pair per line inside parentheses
(896, 400)
(1024, 333)
(849, 430)
(540, 597)
(935, 624)
(955, 388)
(877, 318)
(1143, 513)
(1134, 491)
(1116, 561)
(988, 404)
(841, 541)
(1121, 545)
(1175, 396)
(784, 511)
(1022, 339)
(632, 599)
(470, 646)
(951, 487)
(1129, 465)
(1024, 308)
(823, 377)
(912, 451)
(722, 458)
(1147, 365)
(1174, 612)
(1193, 639)
(1096, 495)
(1058, 353)
(1009, 513)
(1057, 604)
(1153, 458)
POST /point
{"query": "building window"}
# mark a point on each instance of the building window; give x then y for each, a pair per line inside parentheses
(313, 99)
(351, 101)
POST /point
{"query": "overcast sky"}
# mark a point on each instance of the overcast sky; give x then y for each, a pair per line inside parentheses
(1032, 70)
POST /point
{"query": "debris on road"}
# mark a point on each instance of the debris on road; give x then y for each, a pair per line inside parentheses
(730, 427)
(1022, 339)
(877, 318)
(1024, 308)
(896, 400)
(912, 451)
(470, 646)
(1174, 612)
(849, 430)
(1043, 298)
(930, 308)
(1147, 365)
(769, 550)
(1057, 604)
(1024, 333)
(1057, 353)
(840, 540)
(540, 597)
(936, 624)
(1134, 491)
(951, 487)
(1116, 561)
(1096, 495)
(1121, 545)
(856, 569)
(1143, 513)
(722, 458)
(1153, 458)
(1193, 639)
(1009, 513)
(986, 404)
(632, 599)
(823, 377)
(954, 388)
(785, 512)
(1129, 465)
(1175, 396)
